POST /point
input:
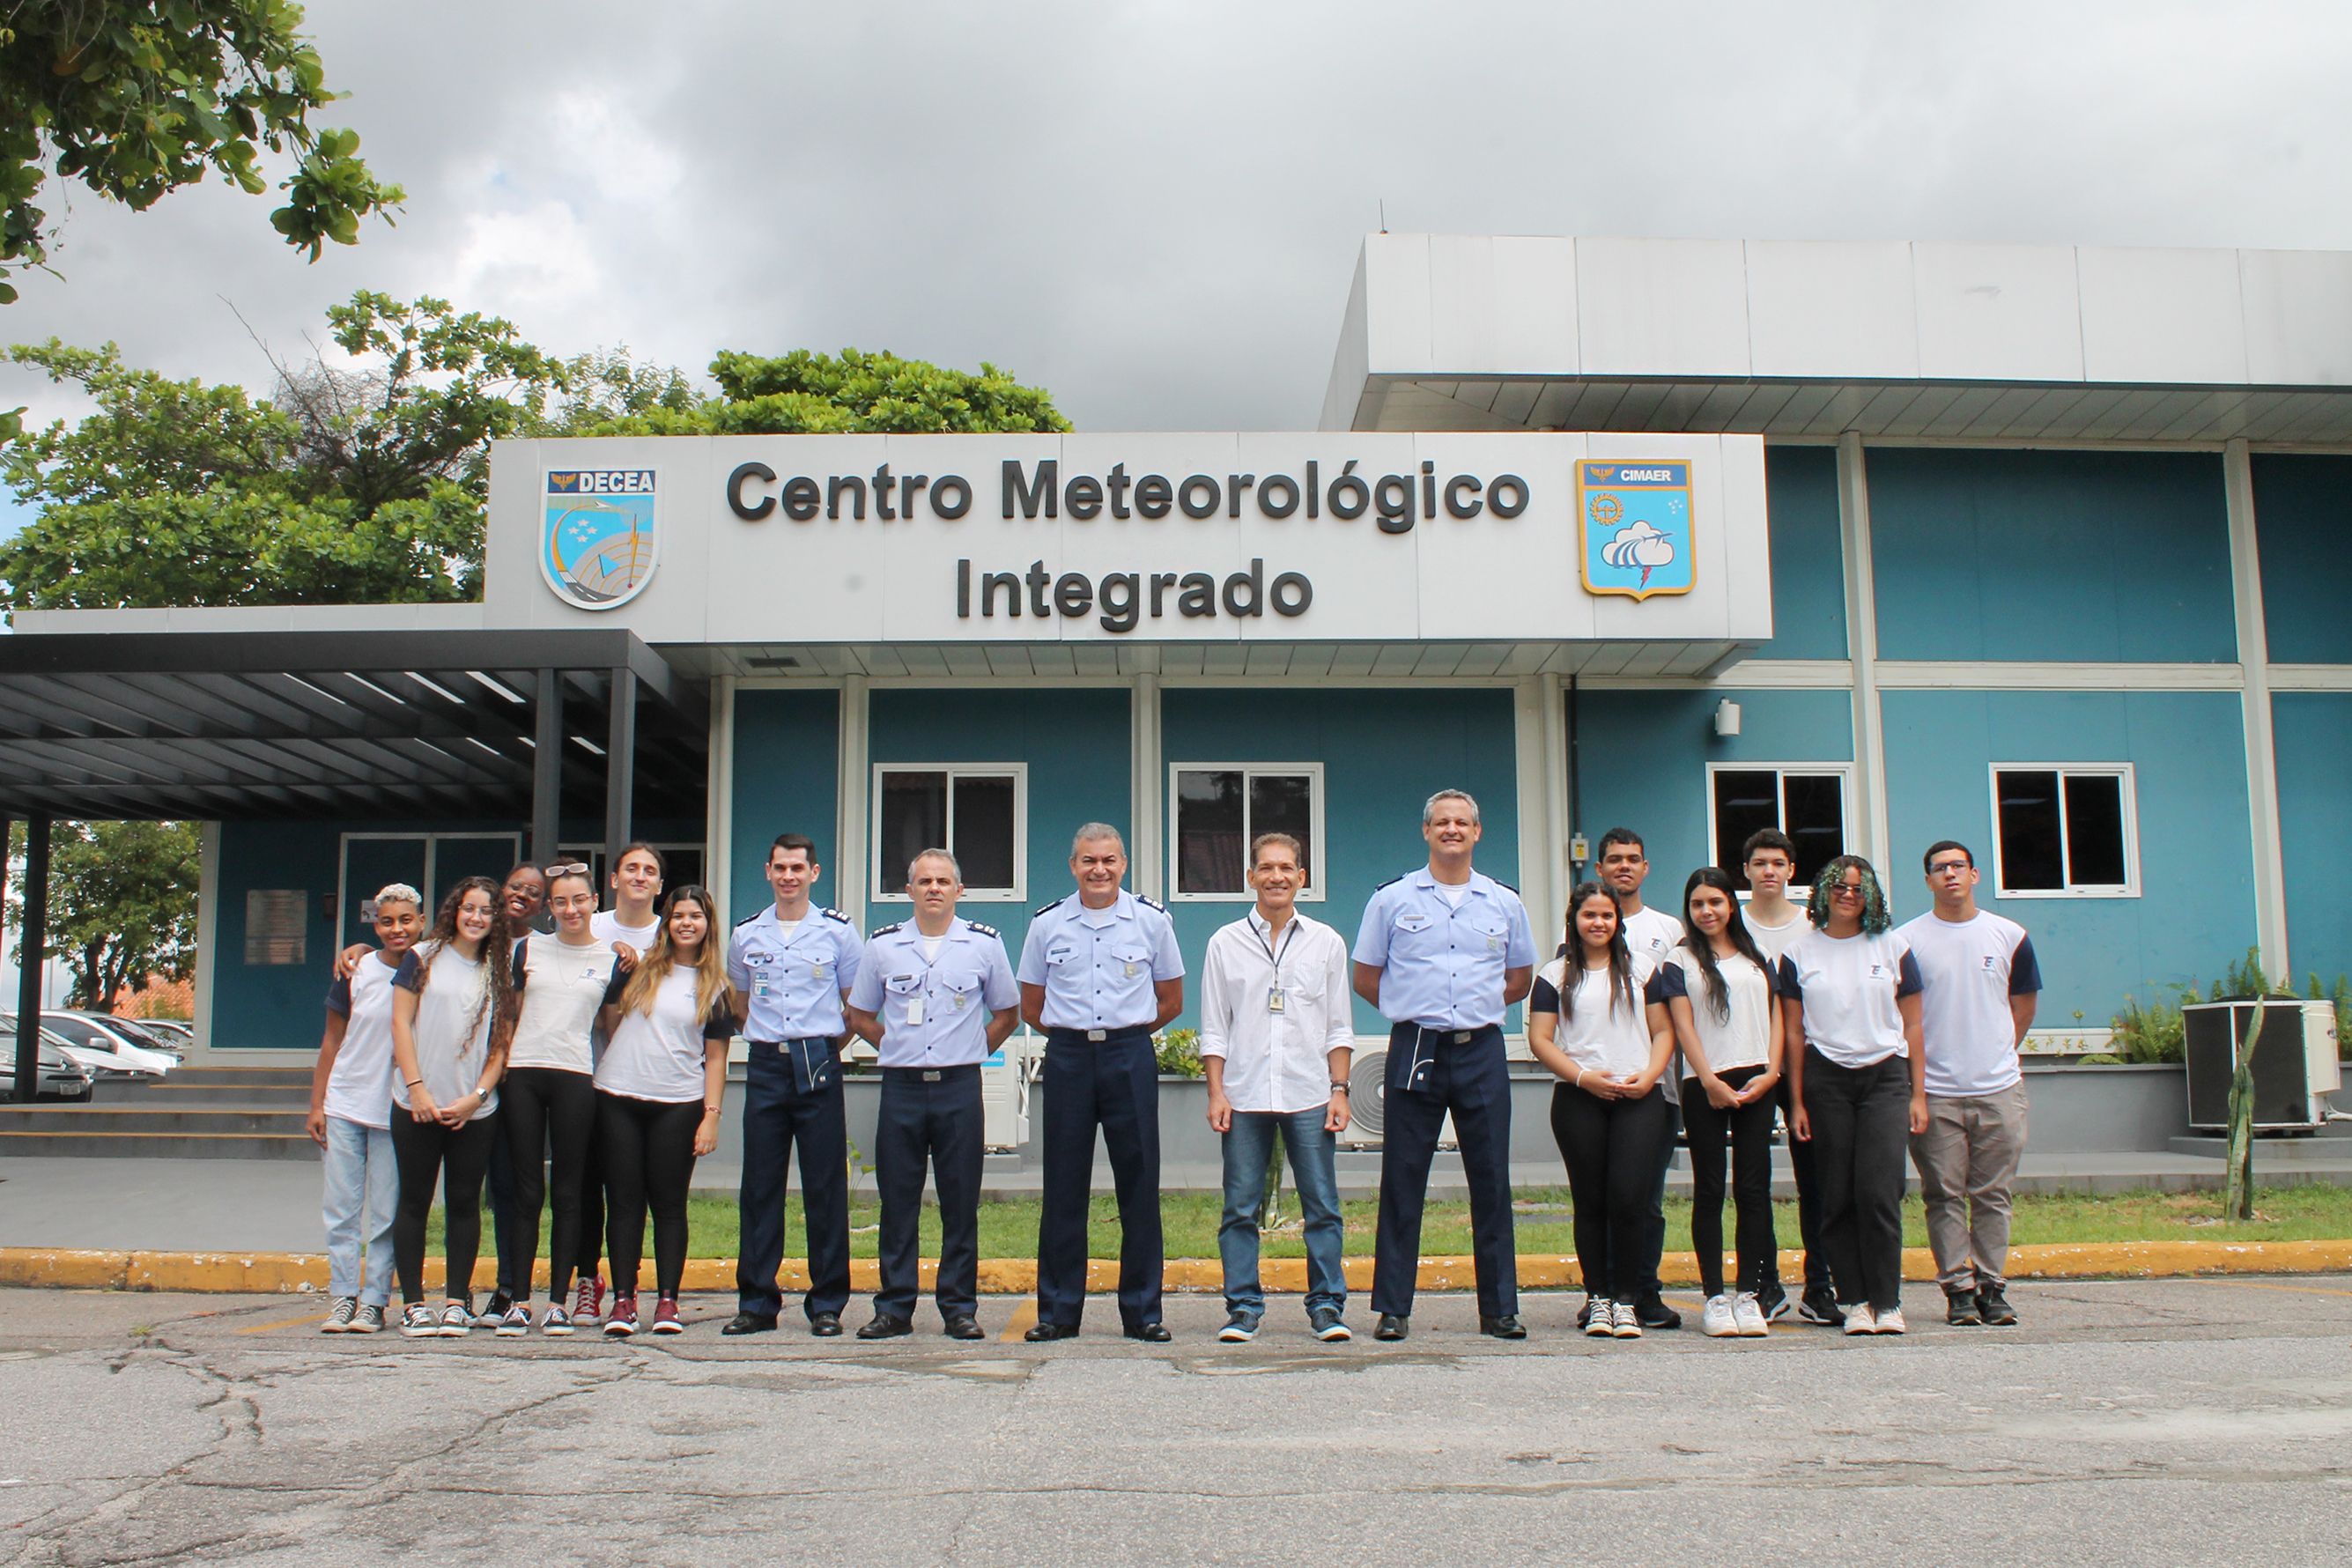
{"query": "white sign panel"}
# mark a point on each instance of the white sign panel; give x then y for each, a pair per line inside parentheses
(1154, 538)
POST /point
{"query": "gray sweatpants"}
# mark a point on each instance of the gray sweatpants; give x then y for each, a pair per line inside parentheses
(1967, 1160)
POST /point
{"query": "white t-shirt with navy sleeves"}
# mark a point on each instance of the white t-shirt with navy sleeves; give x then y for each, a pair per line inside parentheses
(1848, 987)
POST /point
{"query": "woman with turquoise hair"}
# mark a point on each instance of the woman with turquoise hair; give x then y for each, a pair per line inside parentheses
(1859, 1087)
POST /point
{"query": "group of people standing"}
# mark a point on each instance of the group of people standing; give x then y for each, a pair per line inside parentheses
(582, 1056)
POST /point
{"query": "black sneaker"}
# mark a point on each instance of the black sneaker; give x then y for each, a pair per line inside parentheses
(1773, 1302)
(1584, 1313)
(1820, 1306)
(1239, 1330)
(1993, 1307)
(1960, 1309)
(1652, 1312)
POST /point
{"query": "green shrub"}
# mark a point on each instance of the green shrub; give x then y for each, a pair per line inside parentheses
(1179, 1051)
(2151, 1030)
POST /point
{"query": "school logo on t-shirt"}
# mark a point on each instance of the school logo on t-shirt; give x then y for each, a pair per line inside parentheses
(597, 542)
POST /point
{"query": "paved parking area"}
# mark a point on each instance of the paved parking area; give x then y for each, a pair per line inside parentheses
(2186, 1420)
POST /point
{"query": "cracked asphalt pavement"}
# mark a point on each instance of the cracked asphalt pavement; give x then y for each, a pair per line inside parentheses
(2125, 1422)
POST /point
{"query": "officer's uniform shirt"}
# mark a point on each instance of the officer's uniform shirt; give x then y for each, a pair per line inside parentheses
(935, 1008)
(1097, 966)
(1442, 962)
(793, 980)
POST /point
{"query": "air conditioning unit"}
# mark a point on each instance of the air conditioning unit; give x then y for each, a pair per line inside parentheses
(1368, 1090)
(2294, 1067)
(1004, 1081)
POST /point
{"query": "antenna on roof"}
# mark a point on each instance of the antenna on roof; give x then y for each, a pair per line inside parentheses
(1384, 214)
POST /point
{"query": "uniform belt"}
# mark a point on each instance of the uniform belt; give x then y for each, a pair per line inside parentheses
(933, 1074)
(1444, 1037)
(1097, 1037)
(797, 1040)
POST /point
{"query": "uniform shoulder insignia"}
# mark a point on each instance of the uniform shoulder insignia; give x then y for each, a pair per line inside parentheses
(1043, 908)
(1151, 903)
(985, 931)
(747, 919)
(833, 914)
(1392, 882)
(886, 930)
(1505, 886)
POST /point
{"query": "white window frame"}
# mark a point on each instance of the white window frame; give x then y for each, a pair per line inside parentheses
(1017, 771)
(1842, 771)
(2130, 888)
(1319, 866)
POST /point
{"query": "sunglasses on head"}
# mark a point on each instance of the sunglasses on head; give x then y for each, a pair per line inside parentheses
(576, 869)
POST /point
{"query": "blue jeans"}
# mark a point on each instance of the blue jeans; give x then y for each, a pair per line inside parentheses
(362, 1191)
(1248, 1145)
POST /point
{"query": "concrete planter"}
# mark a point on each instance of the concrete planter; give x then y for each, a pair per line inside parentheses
(2110, 1108)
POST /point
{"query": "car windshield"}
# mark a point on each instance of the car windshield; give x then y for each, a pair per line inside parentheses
(78, 1031)
(136, 1033)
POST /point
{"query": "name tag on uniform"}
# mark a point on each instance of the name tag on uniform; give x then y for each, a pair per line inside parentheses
(1274, 999)
(1413, 921)
(915, 1010)
(760, 983)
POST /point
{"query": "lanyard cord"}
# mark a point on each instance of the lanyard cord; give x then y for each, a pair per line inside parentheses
(1273, 957)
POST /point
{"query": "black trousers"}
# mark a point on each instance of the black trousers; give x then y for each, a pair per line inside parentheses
(1610, 1150)
(1749, 1129)
(648, 1163)
(1469, 1077)
(1114, 1084)
(1862, 1132)
(930, 1116)
(454, 1157)
(591, 1210)
(778, 1114)
(1803, 1170)
(549, 1118)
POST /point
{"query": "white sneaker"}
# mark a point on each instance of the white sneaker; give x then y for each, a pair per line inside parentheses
(418, 1321)
(1623, 1323)
(1858, 1319)
(1598, 1321)
(1747, 1316)
(455, 1319)
(340, 1320)
(557, 1323)
(514, 1323)
(1716, 1320)
(1890, 1321)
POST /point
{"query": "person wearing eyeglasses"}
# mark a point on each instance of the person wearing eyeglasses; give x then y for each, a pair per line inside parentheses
(1979, 982)
(1851, 988)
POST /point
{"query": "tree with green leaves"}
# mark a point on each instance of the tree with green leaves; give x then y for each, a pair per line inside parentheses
(122, 904)
(366, 482)
(137, 99)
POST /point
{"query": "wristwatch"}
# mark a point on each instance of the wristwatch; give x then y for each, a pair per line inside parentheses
(1338, 1088)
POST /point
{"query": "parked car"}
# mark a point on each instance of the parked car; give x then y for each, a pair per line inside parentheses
(138, 1032)
(108, 1054)
(60, 1076)
(177, 1033)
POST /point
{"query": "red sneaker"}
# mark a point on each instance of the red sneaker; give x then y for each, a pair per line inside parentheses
(666, 1318)
(623, 1320)
(588, 1300)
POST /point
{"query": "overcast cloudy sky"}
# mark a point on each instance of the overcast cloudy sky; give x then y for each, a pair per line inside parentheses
(1153, 209)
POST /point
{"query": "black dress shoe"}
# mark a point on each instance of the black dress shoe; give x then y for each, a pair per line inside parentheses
(1151, 1333)
(884, 1327)
(750, 1323)
(826, 1325)
(966, 1328)
(1391, 1326)
(1652, 1312)
(1506, 1327)
(1040, 1332)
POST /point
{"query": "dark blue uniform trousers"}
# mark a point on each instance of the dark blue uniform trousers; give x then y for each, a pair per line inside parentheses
(929, 1115)
(1112, 1083)
(1470, 1078)
(778, 1113)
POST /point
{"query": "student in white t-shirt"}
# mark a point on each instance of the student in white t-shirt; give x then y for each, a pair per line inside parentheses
(550, 1094)
(452, 1014)
(1650, 935)
(659, 1089)
(1589, 1021)
(1720, 993)
(1853, 990)
(1978, 982)
(351, 1093)
(633, 923)
(1769, 860)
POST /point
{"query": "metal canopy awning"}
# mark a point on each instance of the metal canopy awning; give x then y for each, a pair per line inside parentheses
(307, 724)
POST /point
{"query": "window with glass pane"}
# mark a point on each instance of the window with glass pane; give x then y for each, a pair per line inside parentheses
(1810, 807)
(1219, 811)
(974, 814)
(2062, 830)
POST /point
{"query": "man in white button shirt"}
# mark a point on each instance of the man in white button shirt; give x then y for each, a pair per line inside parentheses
(1276, 1031)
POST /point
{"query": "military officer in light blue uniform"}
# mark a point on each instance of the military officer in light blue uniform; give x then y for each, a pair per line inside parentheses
(791, 966)
(1440, 952)
(936, 997)
(1100, 972)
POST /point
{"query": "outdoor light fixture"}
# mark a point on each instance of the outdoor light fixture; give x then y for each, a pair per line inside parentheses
(1726, 717)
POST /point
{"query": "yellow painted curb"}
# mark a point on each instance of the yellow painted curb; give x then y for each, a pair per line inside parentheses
(306, 1273)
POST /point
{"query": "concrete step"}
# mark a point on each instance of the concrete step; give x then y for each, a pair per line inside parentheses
(151, 1118)
(95, 1145)
(174, 1091)
(251, 1077)
(2319, 1148)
